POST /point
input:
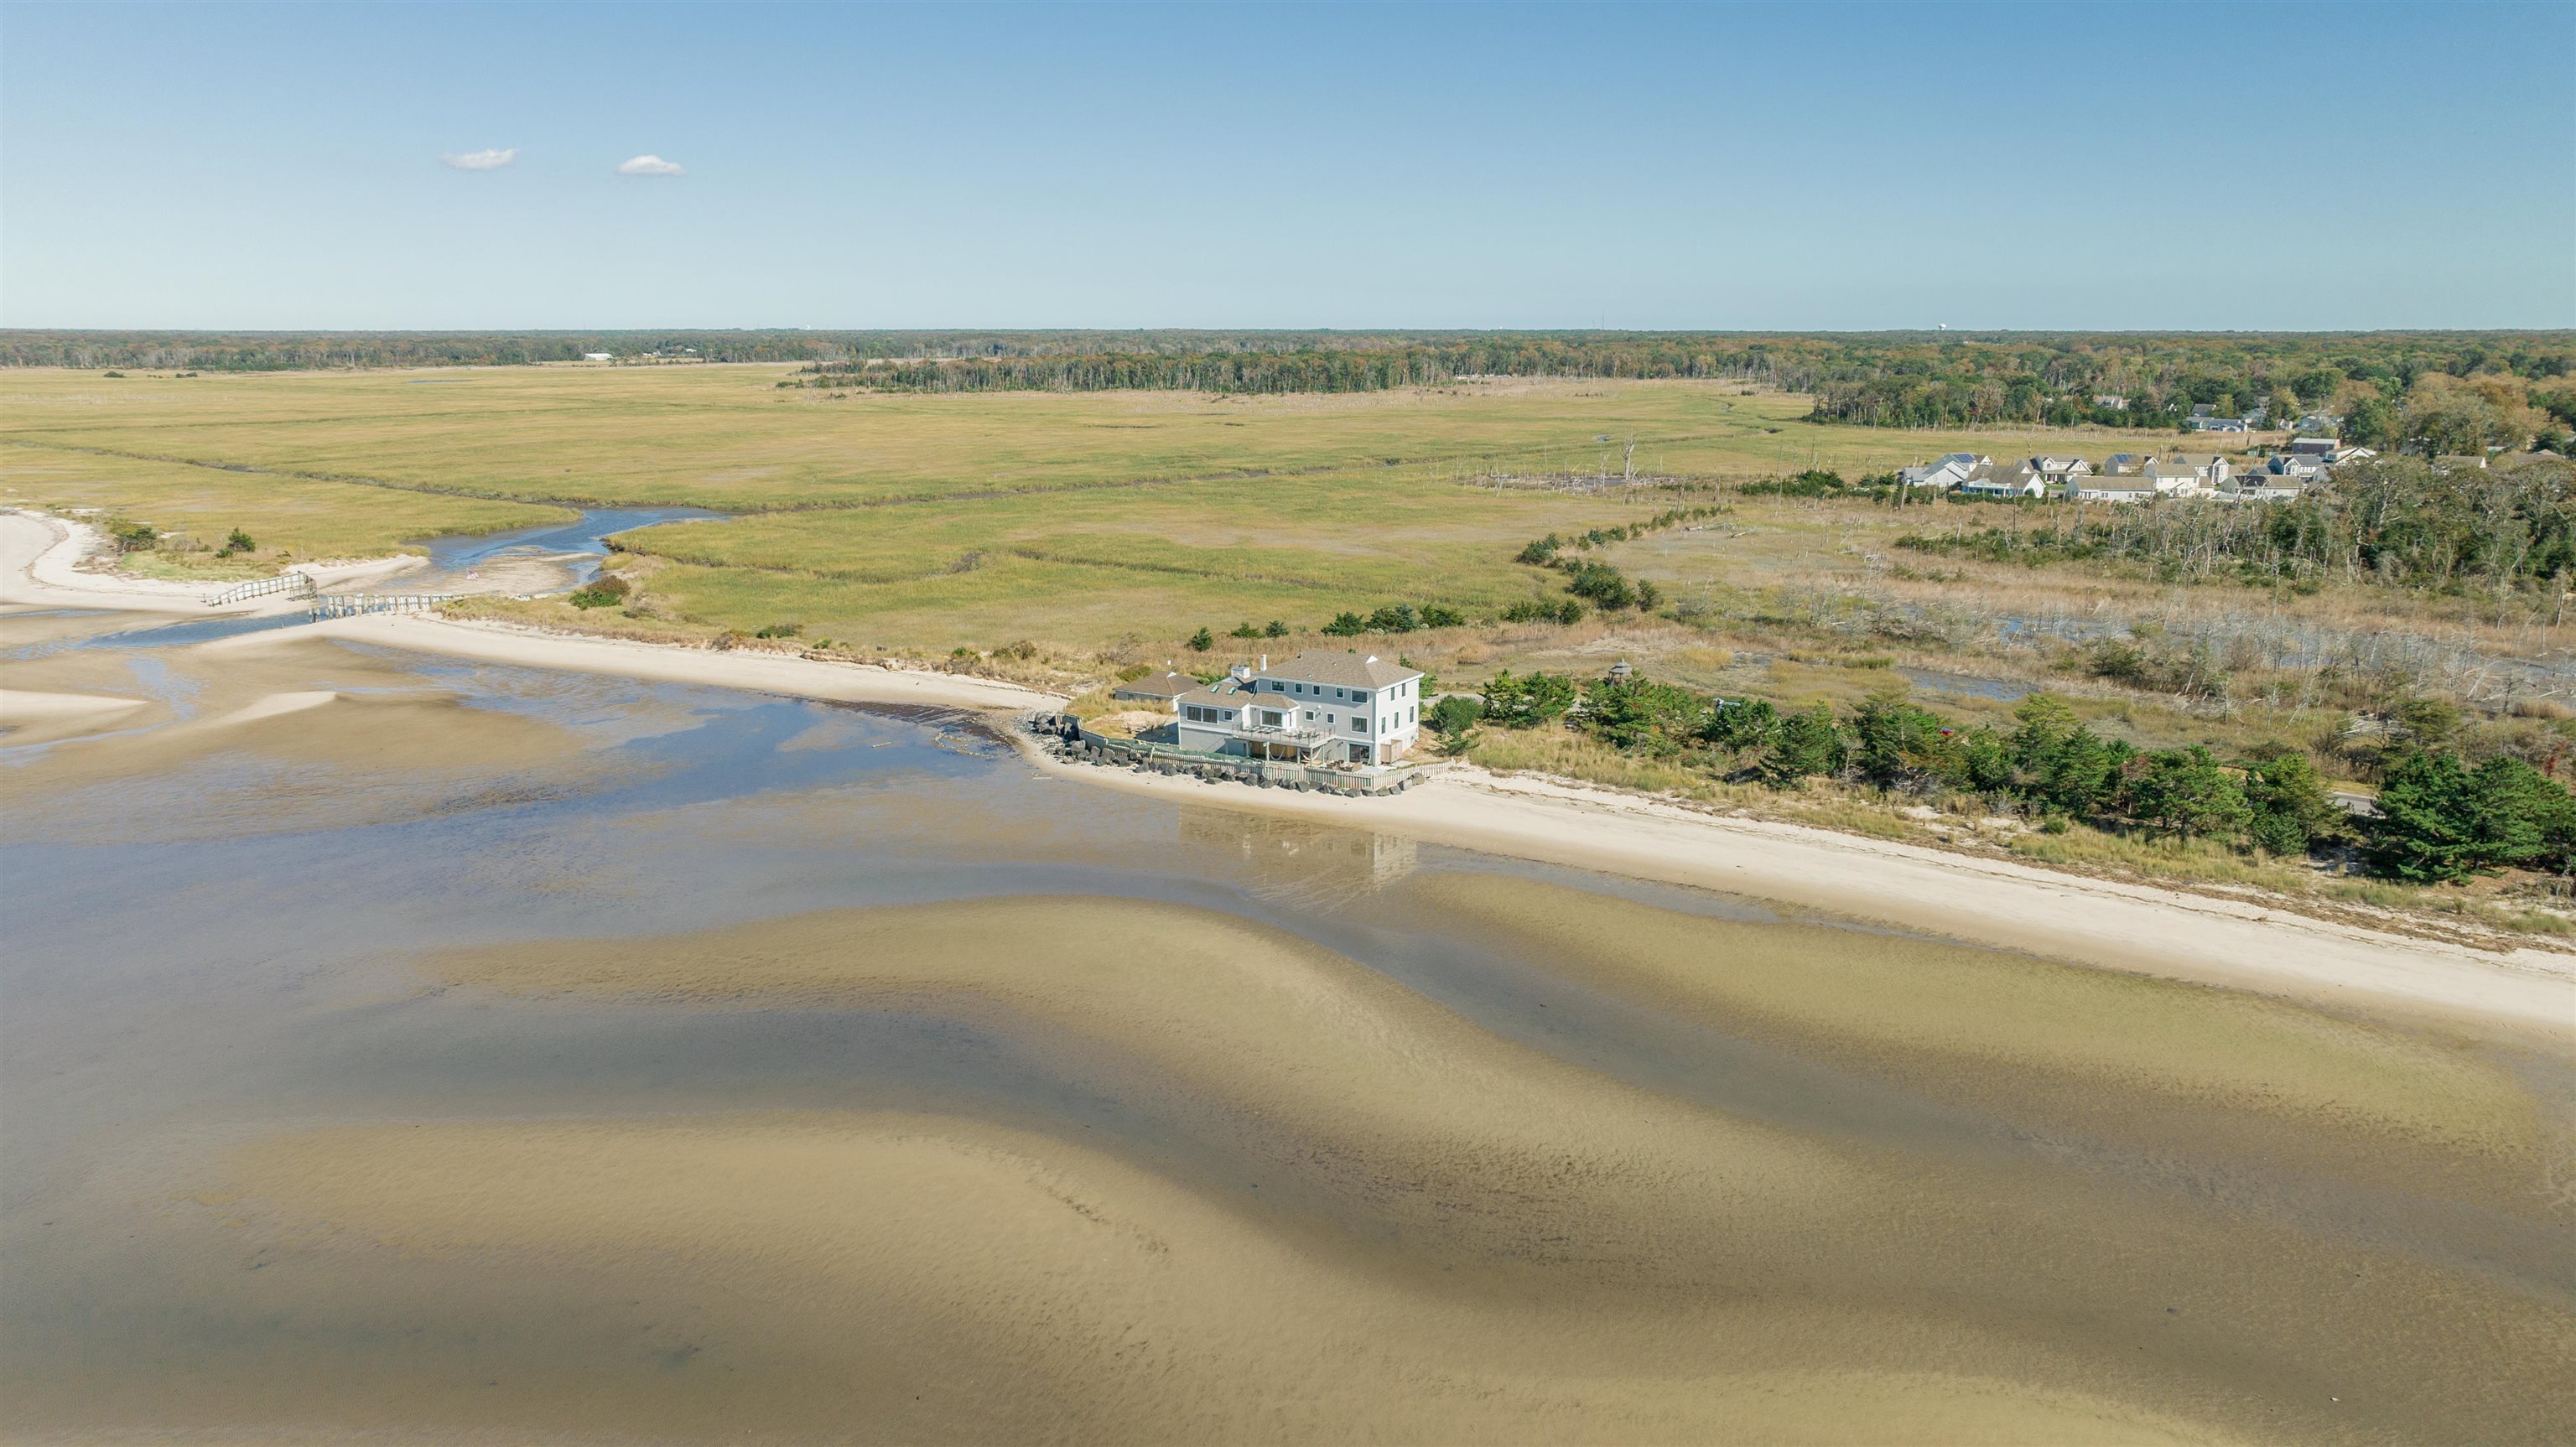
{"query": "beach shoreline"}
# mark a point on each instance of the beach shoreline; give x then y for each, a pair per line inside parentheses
(2237, 943)
(2143, 929)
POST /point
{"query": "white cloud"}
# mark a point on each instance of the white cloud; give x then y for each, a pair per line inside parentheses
(492, 160)
(648, 166)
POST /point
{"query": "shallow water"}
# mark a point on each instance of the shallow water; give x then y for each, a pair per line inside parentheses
(453, 555)
(490, 1051)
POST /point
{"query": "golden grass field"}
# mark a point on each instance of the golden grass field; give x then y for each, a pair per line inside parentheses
(926, 522)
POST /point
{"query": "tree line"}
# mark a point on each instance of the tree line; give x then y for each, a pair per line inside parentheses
(2439, 818)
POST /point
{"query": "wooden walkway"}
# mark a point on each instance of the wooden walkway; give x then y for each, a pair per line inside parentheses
(350, 605)
(294, 585)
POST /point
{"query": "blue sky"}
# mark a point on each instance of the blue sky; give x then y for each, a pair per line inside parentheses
(1717, 165)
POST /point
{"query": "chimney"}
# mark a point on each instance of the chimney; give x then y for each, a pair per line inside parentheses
(1265, 663)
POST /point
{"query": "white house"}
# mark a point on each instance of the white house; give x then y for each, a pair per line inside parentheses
(2056, 470)
(1932, 474)
(2176, 477)
(1949, 470)
(2021, 481)
(599, 356)
(1318, 707)
(2112, 489)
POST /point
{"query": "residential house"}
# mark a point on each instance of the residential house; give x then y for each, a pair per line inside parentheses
(1942, 474)
(599, 356)
(2312, 446)
(2211, 467)
(2111, 401)
(1948, 470)
(2022, 480)
(1321, 706)
(2304, 467)
(1164, 687)
(2324, 424)
(2126, 464)
(2217, 424)
(2173, 477)
(2111, 489)
(2056, 470)
(2261, 486)
(2342, 455)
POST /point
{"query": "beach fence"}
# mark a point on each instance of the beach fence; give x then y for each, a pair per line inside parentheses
(293, 585)
(1074, 745)
(350, 605)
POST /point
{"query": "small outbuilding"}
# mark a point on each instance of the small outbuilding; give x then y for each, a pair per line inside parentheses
(1164, 688)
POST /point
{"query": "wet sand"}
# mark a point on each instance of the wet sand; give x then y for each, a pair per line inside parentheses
(454, 1051)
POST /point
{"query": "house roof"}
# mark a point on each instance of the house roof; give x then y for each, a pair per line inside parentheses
(1341, 669)
(1213, 699)
(1166, 684)
(2115, 484)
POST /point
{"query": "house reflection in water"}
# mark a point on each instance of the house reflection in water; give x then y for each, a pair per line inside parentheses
(1293, 856)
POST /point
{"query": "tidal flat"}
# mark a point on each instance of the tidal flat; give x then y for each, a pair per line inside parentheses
(459, 1051)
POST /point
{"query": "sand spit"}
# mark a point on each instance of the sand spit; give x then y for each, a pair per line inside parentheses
(40, 560)
(275, 705)
(28, 717)
(664, 663)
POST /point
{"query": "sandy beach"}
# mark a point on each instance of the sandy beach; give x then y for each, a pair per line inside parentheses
(41, 558)
(2241, 943)
(2131, 927)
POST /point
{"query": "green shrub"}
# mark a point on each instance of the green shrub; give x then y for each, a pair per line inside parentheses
(1453, 715)
(1805, 744)
(2185, 792)
(1524, 702)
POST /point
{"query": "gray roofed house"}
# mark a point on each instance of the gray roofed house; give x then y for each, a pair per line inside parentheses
(2022, 480)
(1322, 706)
(2112, 489)
(1162, 687)
(1345, 667)
(2125, 464)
